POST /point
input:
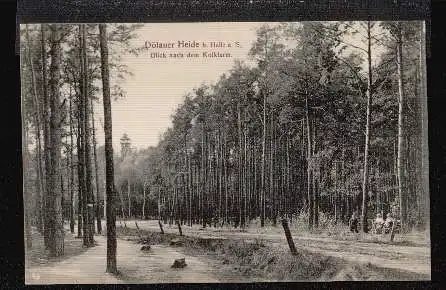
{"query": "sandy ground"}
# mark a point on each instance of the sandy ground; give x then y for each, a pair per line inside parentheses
(87, 266)
(405, 258)
(134, 265)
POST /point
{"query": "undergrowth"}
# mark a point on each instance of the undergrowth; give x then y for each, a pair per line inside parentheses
(263, 261)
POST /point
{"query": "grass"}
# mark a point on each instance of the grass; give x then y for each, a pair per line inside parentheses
(257, 260)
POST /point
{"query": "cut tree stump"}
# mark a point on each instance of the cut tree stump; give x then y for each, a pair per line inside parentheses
(179, 263)
(146, 248)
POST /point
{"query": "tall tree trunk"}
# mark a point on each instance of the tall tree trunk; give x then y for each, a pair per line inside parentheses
(190, 189)
(98, 204)
(402, 189)
(144, 202)
(203, 175)
(272, 191)
(263, 191)
(225, 177)
(37, 121)
(109, 170)
(46, 136)
(315, 181)
(62, 190)
(336, 209)
(56, 231)
(89, 198)
(309, 170)
(25, 166)
(80, 172)
(240, 157)
(71, 168)
(80, 175)
(26, 191)
(424, 131)
(128, 197)
(83, 140)
(365, 182)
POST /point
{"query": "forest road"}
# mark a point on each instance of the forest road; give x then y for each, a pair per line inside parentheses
(415, 259)
(134, 265)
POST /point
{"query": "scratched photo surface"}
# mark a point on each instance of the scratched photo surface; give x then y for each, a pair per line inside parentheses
(209, 152)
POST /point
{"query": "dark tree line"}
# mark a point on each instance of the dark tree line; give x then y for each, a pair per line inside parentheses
(321, 126)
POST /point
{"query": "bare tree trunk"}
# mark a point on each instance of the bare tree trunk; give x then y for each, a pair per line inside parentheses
(89, 199)
(336, 209)
(46, 136)
(109, 170)
(309, 170)
(25, 166)
(315, 182)
(424, 131)
(225, 178)
(62, 190)
(203, 175)
(402, 189)
(262, 192)
(272, 193)
(56, 241)
(365, 183)
(128, 197)
(98, 204)
(80, 176)
(190, 190)
(37, 121)
(26, 191)
(71, 168)
(144, 202)
(239, 165)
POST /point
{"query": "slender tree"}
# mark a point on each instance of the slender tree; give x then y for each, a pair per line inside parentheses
(365, 182)
(54, 206)
(109, 171)
(98, 207)
(402, 188)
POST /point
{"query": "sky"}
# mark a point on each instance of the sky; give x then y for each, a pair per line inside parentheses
(158, 85)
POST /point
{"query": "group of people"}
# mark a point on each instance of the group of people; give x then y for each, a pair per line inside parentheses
(380, 224)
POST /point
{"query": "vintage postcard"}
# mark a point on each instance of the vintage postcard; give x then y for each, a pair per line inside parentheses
(222, 152)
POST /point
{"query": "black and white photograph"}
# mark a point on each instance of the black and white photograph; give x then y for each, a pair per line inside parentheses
(225, 152)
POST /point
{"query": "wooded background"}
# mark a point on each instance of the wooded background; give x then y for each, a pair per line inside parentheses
(314, 131)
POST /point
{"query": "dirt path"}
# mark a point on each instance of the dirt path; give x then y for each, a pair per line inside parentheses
(414, 259)
(134, 266)
(85, 268)
(155, 266)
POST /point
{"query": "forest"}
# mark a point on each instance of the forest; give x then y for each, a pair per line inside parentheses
(326, 119)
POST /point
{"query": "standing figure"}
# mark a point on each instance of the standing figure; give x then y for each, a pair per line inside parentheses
(353, 223)
(388, 223)
(379, 223)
